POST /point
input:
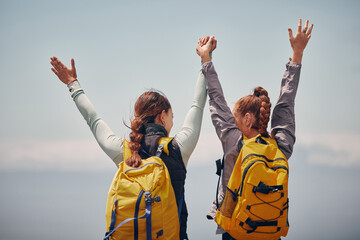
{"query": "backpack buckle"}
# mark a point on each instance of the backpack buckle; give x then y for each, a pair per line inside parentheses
(266, 189)
(159, 150)
(150, 200)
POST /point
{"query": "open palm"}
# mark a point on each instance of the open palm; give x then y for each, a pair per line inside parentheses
(65, 74)
(302, 37)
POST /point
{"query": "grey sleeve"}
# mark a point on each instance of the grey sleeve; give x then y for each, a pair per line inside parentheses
(107, 140)
(225, 127)
(283, 116)
(221, 115)
(188, 136)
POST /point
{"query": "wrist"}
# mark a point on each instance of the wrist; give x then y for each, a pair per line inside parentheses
(297, 56)
(205, 58)
(71, 80)
(298, 52)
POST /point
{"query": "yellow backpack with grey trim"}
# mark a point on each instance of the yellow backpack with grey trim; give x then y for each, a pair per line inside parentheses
(255, 206)
(141, 201)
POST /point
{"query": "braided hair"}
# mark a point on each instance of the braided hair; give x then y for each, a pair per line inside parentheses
(147, 107)
(259, 105)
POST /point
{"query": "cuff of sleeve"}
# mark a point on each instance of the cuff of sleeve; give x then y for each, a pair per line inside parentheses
(74, 88)
(206, 65)
(293, 64)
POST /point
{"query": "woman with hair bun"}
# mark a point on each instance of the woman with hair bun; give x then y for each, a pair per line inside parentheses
(153, 119)
(251, 114)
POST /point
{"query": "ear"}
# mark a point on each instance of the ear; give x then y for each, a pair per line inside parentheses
(160, 118)
(247, 120)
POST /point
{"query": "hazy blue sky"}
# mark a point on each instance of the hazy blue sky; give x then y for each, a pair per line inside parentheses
(49, 161)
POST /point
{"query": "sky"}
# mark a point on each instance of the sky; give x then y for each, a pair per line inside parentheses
(53, 176)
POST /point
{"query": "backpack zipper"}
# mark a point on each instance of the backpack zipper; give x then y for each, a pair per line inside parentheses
(160, 165)
(262, 156)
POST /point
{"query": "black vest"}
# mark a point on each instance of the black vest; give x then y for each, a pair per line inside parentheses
(151, 135)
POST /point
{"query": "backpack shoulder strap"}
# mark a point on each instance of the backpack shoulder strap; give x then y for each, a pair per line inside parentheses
(126, 150)
(165, 142)
(162, 141)
(257, 139)
(219, 168)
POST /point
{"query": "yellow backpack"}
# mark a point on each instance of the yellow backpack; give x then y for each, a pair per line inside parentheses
(141, 201)
(256, 202)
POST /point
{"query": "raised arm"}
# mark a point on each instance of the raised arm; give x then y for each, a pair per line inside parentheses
(188, 136)
(283, 117)
(111, 144)
(221, 114)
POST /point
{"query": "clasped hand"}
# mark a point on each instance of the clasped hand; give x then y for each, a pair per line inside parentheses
(205, 46)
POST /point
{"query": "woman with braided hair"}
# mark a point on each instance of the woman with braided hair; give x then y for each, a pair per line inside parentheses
(254, 110)
(153, 119)
(251, 113)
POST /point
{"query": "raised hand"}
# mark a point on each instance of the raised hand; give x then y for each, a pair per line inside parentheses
(299, 42)
(205, 46)
(203, 40)
(65, 74)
